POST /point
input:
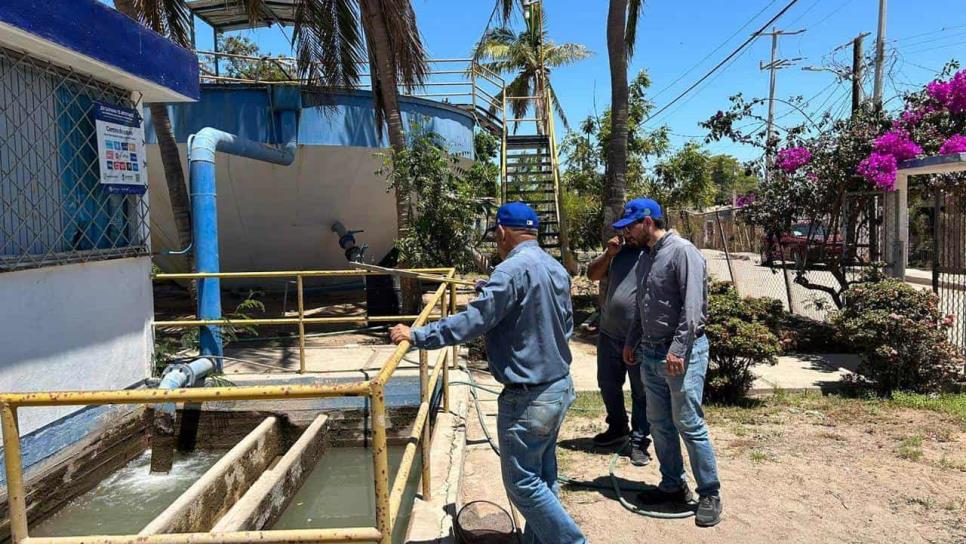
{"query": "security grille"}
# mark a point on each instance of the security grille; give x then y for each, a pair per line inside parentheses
(54, 209)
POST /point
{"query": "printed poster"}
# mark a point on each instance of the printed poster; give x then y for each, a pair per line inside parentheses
(120, 149)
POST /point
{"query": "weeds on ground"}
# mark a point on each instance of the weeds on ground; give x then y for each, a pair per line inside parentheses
(910, 448)
(952, 404)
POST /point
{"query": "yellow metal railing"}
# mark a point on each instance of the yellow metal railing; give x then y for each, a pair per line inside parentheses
(388, 500)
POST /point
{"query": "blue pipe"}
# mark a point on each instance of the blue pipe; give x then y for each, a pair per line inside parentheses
(184, 375)
(202, 147)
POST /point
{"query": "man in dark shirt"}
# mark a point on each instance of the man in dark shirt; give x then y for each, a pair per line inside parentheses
(618, 265)
(670, 315)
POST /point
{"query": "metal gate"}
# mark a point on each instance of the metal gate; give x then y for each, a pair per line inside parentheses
(948, 256)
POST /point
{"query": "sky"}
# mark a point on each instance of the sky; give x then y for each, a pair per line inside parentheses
(680, 40)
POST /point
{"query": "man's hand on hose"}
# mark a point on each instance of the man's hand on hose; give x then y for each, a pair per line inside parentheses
(399, 334)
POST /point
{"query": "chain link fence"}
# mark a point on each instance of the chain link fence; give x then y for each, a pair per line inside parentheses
(758, 267)
(53, 208)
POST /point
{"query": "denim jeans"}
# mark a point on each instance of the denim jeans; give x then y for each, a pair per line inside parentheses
(528, 422)
(674, 408)
(610, 379)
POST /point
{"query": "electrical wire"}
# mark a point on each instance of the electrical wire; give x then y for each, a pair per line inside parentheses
(715, 50)
(730, 56)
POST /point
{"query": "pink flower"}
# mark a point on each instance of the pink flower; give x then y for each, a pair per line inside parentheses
(880, 170)
(949, 320)
(898, 144)
(950, 94)
(811, 176)
(954, 144)
(793, 158)
(744, 200)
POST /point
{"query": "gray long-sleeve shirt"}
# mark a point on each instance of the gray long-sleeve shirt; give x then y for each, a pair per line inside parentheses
(526, 314)
(671, 295)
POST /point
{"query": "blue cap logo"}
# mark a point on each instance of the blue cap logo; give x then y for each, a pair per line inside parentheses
(516, 215)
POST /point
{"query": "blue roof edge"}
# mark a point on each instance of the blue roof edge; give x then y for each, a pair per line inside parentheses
(91, 37)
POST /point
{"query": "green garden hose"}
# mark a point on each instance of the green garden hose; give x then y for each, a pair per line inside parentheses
(615, 483)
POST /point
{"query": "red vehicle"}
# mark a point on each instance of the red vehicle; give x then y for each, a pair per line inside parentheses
(805, 243)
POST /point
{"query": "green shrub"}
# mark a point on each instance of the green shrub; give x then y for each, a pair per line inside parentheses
(901, 335)
(741, 335)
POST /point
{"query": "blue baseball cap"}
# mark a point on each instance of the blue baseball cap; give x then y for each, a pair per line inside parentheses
(516, 215)
(638, 209)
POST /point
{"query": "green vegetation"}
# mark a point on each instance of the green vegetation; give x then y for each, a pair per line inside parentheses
(910, 448)
(451, 198)
(901, 335)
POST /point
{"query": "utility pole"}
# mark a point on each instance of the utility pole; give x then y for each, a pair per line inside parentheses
(773, 66)
(879, 55)
(857, 72)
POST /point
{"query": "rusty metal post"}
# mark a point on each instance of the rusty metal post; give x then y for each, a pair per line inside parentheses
(298, 285)
(380, 461)
(724, 245)
(16, 495)
(454, 358)
(425, 442)
(444, 312)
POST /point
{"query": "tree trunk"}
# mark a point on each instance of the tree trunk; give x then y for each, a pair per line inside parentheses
(173, 175)
(385, 71)
(170, 158)
(615, 179)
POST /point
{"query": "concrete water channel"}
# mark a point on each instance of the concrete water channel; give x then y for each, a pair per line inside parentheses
(256, 465)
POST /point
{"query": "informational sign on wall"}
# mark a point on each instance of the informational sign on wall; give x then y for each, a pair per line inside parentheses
(120, 149)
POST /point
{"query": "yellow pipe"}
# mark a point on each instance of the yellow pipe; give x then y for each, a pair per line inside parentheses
(406, 463)
(16, 494)
(287, 274)
(424, 394)
(187, 323)
(351, 534)
(443, 309)
(403, 347)
(409, 455)
(298, 284)
(197, 394)
(454, 359)
(380, 461)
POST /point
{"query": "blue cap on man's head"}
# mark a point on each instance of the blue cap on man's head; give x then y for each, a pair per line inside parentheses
(638, 209)
(516, 215)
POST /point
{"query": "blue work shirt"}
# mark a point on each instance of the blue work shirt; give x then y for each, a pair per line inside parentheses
(526, 314)
(672, 296)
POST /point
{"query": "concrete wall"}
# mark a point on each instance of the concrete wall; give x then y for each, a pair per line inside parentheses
(74, 327)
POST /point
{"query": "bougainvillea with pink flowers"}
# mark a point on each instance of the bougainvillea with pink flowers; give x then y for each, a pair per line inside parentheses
(880, 169)
(793, 158)
(954, 144)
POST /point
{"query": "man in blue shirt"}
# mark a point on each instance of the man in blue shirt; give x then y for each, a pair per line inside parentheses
(524, 310)
(669, 320)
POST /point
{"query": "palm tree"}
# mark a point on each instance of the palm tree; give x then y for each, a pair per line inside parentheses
(332, 39)
(622, 20)
(531, 56)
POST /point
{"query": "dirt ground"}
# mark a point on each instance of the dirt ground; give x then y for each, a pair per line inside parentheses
(795, 469)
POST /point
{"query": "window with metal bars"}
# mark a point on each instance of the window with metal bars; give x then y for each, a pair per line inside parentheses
(53, 208)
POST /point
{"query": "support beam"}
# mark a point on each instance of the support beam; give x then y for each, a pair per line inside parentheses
(268, 497)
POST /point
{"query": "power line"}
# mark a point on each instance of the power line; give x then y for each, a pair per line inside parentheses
(713, 51)
(722, 63)
(930, 33)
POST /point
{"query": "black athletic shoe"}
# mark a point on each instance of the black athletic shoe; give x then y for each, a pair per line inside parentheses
(613, 435)
(656, 496)
(639, 456)
(709, 511)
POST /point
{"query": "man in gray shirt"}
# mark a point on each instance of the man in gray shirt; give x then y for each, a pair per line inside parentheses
(669, 321)
(618, 266)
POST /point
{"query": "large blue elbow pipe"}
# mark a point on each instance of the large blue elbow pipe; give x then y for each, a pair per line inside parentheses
(202, 147)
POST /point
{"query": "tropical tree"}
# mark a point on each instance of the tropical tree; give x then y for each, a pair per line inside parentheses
(622, 20)
(532, 57)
